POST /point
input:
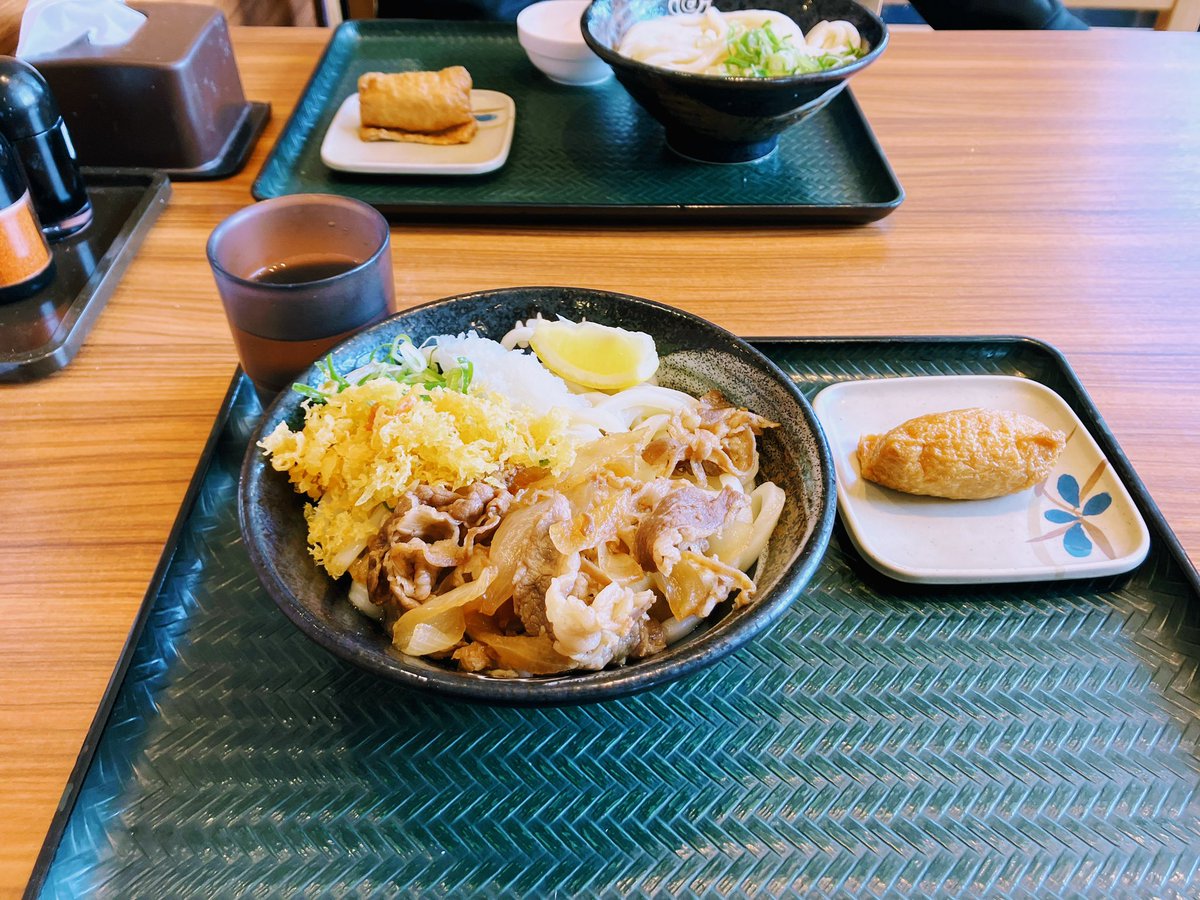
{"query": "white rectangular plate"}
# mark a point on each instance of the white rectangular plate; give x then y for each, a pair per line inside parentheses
(496, 113)
(1079, 523)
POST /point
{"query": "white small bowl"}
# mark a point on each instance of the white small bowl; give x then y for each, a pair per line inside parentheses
(550, 34)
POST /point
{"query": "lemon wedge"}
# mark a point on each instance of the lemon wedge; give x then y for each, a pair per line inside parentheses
(594, 355)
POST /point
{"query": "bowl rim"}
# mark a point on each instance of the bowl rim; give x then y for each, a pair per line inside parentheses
(571, 687)
(699, 80)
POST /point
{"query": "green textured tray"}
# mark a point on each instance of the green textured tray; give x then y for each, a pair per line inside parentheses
(883, 740)
(583, 153)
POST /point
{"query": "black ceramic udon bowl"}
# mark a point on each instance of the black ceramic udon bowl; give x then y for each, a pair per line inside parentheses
(712, 118)
(696, 356)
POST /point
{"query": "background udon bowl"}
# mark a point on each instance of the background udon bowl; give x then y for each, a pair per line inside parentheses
(713, 118)
(695, 356)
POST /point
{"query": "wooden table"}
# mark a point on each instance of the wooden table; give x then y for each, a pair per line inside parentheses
(1053, 185)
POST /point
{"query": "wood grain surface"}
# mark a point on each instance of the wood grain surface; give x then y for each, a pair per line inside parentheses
(1053, 190)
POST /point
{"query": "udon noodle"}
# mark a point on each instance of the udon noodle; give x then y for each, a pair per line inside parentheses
(748, 43)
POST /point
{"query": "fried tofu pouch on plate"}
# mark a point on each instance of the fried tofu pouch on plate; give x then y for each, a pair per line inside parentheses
(963, 454)
(417, 107)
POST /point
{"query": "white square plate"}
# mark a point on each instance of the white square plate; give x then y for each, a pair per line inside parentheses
(496, 113)
(1079, 523)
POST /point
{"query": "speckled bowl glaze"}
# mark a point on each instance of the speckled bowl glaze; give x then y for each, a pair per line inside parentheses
(696, 356)
(711, 118)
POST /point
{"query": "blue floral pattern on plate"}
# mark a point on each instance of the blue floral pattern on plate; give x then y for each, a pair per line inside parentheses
(1073, 507)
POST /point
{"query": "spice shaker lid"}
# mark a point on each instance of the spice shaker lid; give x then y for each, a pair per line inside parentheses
(27, 106)
(12, 177)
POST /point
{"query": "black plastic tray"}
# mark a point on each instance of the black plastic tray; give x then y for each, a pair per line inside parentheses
(42, 333)
(578, 153)
(882, 740)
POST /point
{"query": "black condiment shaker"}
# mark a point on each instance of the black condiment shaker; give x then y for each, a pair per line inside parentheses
(32, 123)
(26, 264)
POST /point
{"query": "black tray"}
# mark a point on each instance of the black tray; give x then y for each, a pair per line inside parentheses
(42, 333)
(578, 153)
(882, 740)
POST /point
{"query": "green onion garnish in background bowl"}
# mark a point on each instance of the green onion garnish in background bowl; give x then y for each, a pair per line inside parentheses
(761, 53)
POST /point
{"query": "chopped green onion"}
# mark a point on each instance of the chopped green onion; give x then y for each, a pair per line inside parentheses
(459, 378)
(332, 374)
(394, 354)
(761, 53)
(310, 392)
(402, 362)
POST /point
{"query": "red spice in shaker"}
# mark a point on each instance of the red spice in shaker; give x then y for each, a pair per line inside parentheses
(26, 264)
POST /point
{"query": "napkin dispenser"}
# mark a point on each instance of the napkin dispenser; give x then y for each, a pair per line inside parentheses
(168, 98)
